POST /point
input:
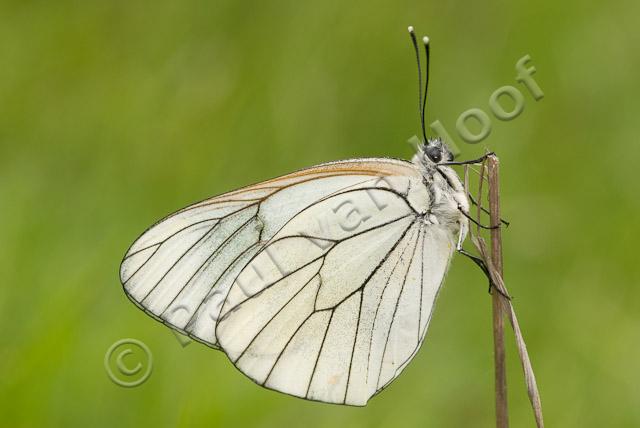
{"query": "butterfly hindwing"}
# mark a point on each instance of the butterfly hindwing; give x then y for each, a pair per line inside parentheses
(335, 315)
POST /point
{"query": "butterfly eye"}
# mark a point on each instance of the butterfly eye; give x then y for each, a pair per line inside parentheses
(434, 153)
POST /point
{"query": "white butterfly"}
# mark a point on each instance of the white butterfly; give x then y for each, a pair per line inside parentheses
(320, 283)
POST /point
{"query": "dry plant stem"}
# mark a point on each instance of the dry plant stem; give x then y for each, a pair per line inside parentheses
(501, 306)
(502, 411)
(482, 179)
(507, 307)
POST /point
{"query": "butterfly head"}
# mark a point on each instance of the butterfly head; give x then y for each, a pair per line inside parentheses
(436, 151)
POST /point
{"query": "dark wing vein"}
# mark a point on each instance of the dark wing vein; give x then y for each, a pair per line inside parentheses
(315, 365)
(143, 263)
(180, 230)
(422, 229)
(245, 251)
(259, 292)
(375, 316)
(353, 348)
(178, 260)
(274, 316)
(215, 252)
(384, 259)
(395, 309)
(289, 341)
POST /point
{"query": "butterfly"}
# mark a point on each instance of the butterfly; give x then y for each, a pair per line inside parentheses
(320, 283)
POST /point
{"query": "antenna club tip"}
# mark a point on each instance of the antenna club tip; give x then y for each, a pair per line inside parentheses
(425, 40)
(410, 28)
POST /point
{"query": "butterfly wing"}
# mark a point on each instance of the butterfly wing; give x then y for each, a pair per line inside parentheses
(319, 284)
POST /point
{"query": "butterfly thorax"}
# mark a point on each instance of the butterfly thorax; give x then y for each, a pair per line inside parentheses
(447, 198)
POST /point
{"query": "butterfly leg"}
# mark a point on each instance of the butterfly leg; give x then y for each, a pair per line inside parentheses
(482, 265)
(474, 221)
(474, 202)
(469, 162)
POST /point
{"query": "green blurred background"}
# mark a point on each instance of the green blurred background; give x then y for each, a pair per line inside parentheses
(114, 113)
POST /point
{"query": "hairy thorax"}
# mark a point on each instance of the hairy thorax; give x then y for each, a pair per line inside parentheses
(447, 198)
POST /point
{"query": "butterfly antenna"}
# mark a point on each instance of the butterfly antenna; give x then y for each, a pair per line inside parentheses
(425, 40)
(420, 101)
